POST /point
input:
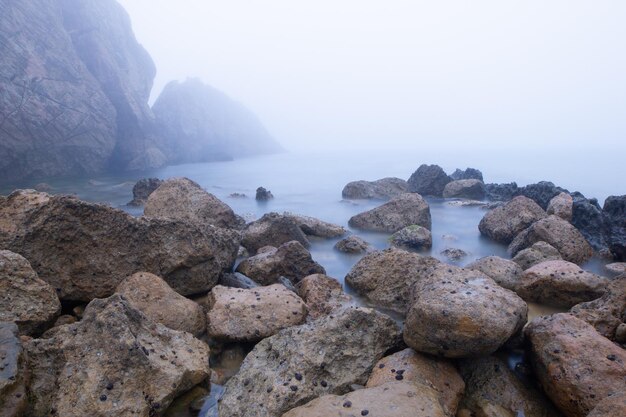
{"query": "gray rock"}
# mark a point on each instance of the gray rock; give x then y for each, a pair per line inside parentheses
(429, 180)
(468, 174)
(237, 280)
(503, 271)
(589, 218)
(272, 229)
(263, 195)
(13, 372)
(616, 268)
(353, 245)
(412, 237)
(470, 189)
(503, 223)
(541, 192)
(316, 227)
(142, 190)
(539, 252)
(383, 189)
(615, 210)
(405, 210)
(454, 254)
(501, 192)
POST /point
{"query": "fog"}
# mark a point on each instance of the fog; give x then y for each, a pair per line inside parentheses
(404, 73)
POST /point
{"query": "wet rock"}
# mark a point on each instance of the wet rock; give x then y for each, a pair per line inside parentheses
(470, 189)
(99, 365)
(393, 399)
(615, 209)
(315, 227)
(24, 298)
(410, 366)
(272, 229)
(142, 190)
(577, 367)
(468, 174)
(402, 211)
(385, 277)
(322, 294)
(290, 260)
(503, 223)
(454, 254)
(429, 180)
(302, 363)
(85, 250)
(616, 268)
(236, 315)
(557, 232)
(503, 271)
(501, 192)
(154, 298)
(541, 192)
(412, 237)
(561, 206)
(353, 245)
(590, 220)
(382, 189)
(560, 284)
(612, 405)
(13, 372)
(263, 195)
(459, 313)
(183, 199)
(539, 252)
(237, 280)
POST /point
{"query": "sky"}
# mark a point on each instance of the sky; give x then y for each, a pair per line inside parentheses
(405, 74)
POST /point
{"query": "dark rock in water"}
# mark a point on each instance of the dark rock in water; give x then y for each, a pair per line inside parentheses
(272, 229)
(429, 180)
(382, 189)
(472, 189)
(468, 174)
(263, 195)
(615, 209)
(316, 227)
(454, 254)
(142, 190)
(412, 237)
(589, 219)
(402, 211)
(237, 280)
(237, 195)
(353, 245)
(541, 192)
(13, 372)
(501, 192)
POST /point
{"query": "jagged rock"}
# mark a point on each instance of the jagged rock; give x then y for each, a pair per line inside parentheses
(142, 190)
(237, 280)
(85, 250)
(385, 277)
(99, 365)
(562, 206)
(183, 199)
(154, 298)
(471, 189)
(383, 189)
(402, 211)
(557, 232)
(577, 367)
(24, 298)
(468, 174)
(590, 220)
(429, 180)
(503, 271)
(322, 294)
(539, 252)
(615, 210)
(560, 284)
(393, 399)
(302, 363)
(612, 405)
(236, 314)
(353, 245)
(501, 192)
(454, 254)
(290, 260)
(272, 229)
(263, 195)
(412, 237)
(13, 372)
(503, 223)
(541, 192)
(315, 227)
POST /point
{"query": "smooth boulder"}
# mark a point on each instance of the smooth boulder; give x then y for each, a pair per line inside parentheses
(608, 312)
(353, 245)
(402, 211)
(429, 180)
(272, 229)
(503, 223)
(412, 237)
(561, 205)
(382, 189)
(469, 188)
(316, 227)
(539, 252)
(503, 271)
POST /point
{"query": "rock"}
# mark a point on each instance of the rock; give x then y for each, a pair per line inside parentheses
(560, 284)
(616, 268)
(385, 277)
(470, 189)
(429, 180)
(615, 209)
(557, 232)
(606, 313)
(237, 195)
(285, 282)
(590, 220)
(183, 199)
(263, 195)
(154, 298)
(24, 298)
(290, 260)
(541, 192)
(454, 254)
(503, 271)
(490, 384)
(503, 223)
(383, 189)
(458, 313)
(13, 372)
(302, 363)
(406, 210)
(468, 174)
(537, 253)
(142, 190)
(412, 237)
(85, 250)
(501, 192)
(237, 280)
(410, 366)
(353, 245)
(99, 365)
(65, 319)
(315, 227)
(272, 229)
(561, 206)
(393, 399)
(43, 187)
(577, 367)
(238, 315)
(612, 405)
(322, 294)
(620, 333)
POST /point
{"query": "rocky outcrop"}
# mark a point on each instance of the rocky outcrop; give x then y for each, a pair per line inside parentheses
(85, 250)
(615, 210)
(316, 227)
(503, 223)
(539, 252)
(453, 254)
(383, 189)
(501, 192)
(471, 189)
(590, 220)
(467, 174)
(428, 180)
(302, 363)
(142, 190)
(13, 372)
(25, 299)
(561, 206)
(541, 192)
(503, 271)
(322, 294)
(263, 194)
(405, 210)
(272, 229)
(353, 245)
(412, 237)
(98, 366)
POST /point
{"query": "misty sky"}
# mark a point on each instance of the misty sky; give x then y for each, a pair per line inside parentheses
(404, 73)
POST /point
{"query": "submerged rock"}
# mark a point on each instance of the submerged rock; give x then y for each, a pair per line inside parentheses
(454, 254)
(263, 195)
(428, 180)
(562, 206)
(382, 189)
(539, 252)
(471, 189)
(503, 223)
(272, 229)
(353, 245)
(322, 294)
(142, 190)
(467, 174)
(13, 372)
(412, 237)
(402, 211)
(503, 271)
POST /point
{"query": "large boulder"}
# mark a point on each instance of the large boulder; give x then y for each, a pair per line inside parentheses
(615, 210)
(353, 245)
(26, 300)
(153, 297)
(142, 190)
(557, 232)
(472, 189)
(302, 363)
(560, 284)
(503, 271)
(577, 367)
(322, 294)
(237, 315)
(501, 192)
(429, 180)
(382, 189)
(412, 237)
(561, 205)
(402, 211)
(290, 260)
(85, 250)
(183, 199)
(115, 361)
(316, 227)
(13, 372)
(385, 277)
(467, 174)
(272, 229)
(541, 192)
(539, 252)
(503, 223)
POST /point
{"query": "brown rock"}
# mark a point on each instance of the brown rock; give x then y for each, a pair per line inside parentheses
(469, 188)
(322, 294)
(13, 372)
(412, 237)
(616, 268)
(539, 252)
(562, 206)
(402, 211)
(612, 405)
(503, 271)
(505, 222)
(316, 227)
(272, 229)
(382, 189)
(353, 245)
